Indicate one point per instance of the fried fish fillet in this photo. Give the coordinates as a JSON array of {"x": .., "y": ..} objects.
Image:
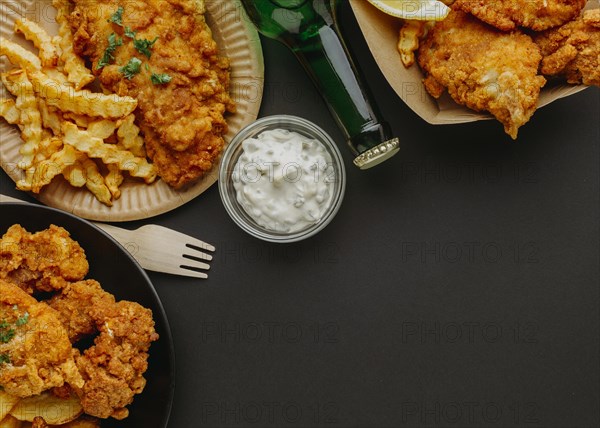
[
  {"x": 35, "y": 349},
  {"x": 42, "y": 261},
  {"x": 483, "y": 68},
  {"x": 573, "y": 50},
  {"x": 182, "y": 119},
  {"x": 537, "y": 15}
]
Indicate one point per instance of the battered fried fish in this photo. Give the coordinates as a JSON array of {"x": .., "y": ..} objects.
[
  {"x": 180, "y": 81},
  {"x": 573, "y": 50},
  {"x": 537, "y": 15},
  {"x": 483, "y": 68},
  {"x": 42, "y": 261},
  {"x": 35, "y": 351}
]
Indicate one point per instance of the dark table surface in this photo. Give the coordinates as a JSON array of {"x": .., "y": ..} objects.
[{"x": 457, "y": 286}]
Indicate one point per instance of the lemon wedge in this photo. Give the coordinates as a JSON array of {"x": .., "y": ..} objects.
[{"x": 422, "y": 10}]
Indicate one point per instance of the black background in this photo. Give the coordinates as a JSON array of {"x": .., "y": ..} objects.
[{"x": 457, "y": 286}]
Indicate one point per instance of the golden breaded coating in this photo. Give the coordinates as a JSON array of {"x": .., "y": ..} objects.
[
  {"x": 182, "y": 119},
  {"x": 35, "y": 351},
  {"x": 572, "y": 51},
  {"x": 113, "y": 367},
  {"x": 537, "y": 15},
  {"x": 483, "y": 68},
  {"x": 42, "y": 261},
  {"x": 74, "y": 304}
]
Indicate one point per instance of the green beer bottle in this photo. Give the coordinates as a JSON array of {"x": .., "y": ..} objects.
[{"x": 311, "y": 30}]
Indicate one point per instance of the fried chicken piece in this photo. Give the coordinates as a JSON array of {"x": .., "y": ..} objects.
[
  {"x": 42, "y": 261},
  {"x": 35, "y": 349},
  {"x": 74, "y": 304},
  {"x": 573, "y": 50},
  {"x": 537, "y": 15},
  {"x": 113, "y": 367},
  {"x": 483, "y": 68},
  {"x": 182, "y": 120}
]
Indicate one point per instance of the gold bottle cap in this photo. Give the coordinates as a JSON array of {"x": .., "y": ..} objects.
[{"x": 377, "y": 154}]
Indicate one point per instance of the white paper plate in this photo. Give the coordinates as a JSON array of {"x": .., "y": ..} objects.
[{"x": 236, "y": 38}]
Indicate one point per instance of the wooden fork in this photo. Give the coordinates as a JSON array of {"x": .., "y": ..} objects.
[{"x": 158, "y": 248}]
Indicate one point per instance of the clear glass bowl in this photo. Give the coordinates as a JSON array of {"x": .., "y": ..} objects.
[{"x": 232, "y": 154}]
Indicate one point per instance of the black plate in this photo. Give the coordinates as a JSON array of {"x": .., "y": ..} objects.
[{"x": 119, "y": 274}]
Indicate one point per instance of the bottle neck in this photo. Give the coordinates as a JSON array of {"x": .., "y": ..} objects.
[
  {"x": 337, "y": 78},
  {"x": 310, "y": 30}
]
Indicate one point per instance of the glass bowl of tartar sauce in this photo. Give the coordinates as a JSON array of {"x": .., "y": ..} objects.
[{"x": 282, "y": 179}]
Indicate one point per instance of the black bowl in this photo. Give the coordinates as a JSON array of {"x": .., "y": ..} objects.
[{"x": 120, "y": 274}]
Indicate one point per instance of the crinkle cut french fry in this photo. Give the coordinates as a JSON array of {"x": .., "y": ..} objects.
[
  {"x": 81, "y": 102},
  {"x": 18, "y": 55},
  {"x": 84, "y": 172},
  {"x": 50, "y": 117},
  {"x": 67, "y": 130},
  {"x": 102, "y": 128},
  {"x": 73, "y": 65},
  {"x": 43, "y": 172},
  {"x": 67, "y": 161},
  {"x": 31, "y": 122},
  {"x": 113, "y": 179},
  {"x": 411, "y": 33},
  {"x": 129, "y": 137},
  {"x": 9, "y": 111},
  {"x": 55, "y": 74},
  {"x": 40, "y": 39},
  {"x": 109, "y": 153},
  {"x": 79, "y": 119},
  {"x": 75, "y": 175},
  {"x": 48, "y": 146},
  {"x": 95, "y": 182}
]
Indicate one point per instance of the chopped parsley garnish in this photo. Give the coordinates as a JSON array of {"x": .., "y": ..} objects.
[
  {"x": 144, "y": 46},
  {"x": 117, "y": 17},
  {"x": 160, "y": 78},
  {"x": 6, "y": 330},
  {"x": 130, "y": 33},
  {"x": 108, "y": 57},
  {"x": 132, "y": 68},
  {"x": 22, "y": 320},
  {"x": 4, "y": 358},
  {"x": 7, "y": 335}
]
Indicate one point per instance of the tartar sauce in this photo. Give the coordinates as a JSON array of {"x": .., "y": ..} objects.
[{"x": 284, "y": 180}]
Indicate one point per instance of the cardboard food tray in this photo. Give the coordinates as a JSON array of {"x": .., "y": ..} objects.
[{"x": 381, "y": 33}]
